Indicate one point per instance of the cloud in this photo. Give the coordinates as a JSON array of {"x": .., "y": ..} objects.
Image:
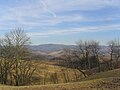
[
  {"x": 47, "y": 9},
  {"x": 64, "y": 5},
  {"x": 42, "y": 13},
  {"x": 75, "y": 30}
]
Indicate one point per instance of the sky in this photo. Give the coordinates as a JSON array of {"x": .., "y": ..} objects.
[{"x": 62, "y": 21}]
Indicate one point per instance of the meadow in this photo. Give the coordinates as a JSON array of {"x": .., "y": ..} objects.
[{"x": 109, "y": 80}]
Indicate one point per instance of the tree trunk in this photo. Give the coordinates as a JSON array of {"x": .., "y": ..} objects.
[{"x": 84, "y": 74}]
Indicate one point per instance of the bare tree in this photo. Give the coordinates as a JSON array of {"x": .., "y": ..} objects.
[
  {"x": 96, "y": 53},
  {"x": 87, "y": 52},
  {"x": 84, "y": 51},
  {"x": 114, "y": 47},
  {"x": 71, "y": 60},
  {"x": 84, "y": 57},
  {"x": 6, "y": 59},
  {"x": 13, "y": 52}
]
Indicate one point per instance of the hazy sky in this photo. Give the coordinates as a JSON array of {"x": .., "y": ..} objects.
[{"x": 62, "y": 21}]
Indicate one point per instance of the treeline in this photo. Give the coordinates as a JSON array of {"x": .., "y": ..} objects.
[
  {"x": 90, "y": 57},
  {"x": 14, "y": 69}
]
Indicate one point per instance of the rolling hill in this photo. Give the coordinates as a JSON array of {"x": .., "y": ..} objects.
[
  {"x": 50, "y": 47},
  {"x": 109, "y": 80}
]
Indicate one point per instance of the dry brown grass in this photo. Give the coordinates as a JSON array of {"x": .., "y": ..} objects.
[
  {"x": 98, "y": 84},
  {"x": 109, "y": 80},
  {"x": 45, "y": 69}
]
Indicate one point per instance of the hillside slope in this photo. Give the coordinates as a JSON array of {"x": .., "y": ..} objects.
[
  {"x": 50, "y": 47},
  {"x": 107, "y": 74},
  {"x": 109, "y": 80}
]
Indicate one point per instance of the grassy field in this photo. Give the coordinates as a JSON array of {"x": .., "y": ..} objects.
[
  {"x": 97, "y": 84},
  {"x": 109, "y": 80},
  {"x": 46, "y": 69},
  {"x": 107, "y": 74}
]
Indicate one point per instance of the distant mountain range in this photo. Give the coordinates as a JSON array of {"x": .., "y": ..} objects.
[
  {"x": 56, "y": 50},
  {"x": 47, "y": 48}
]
